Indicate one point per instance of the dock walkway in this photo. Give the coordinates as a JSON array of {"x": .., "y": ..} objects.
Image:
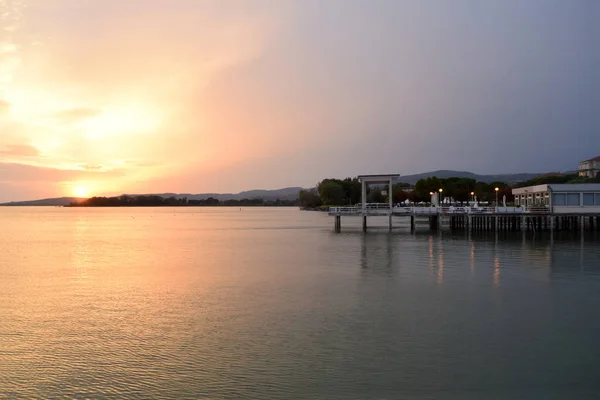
[{"x": 473, "y": 218}]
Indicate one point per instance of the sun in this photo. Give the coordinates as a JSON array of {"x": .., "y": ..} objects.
[{"x": 81, "y": 191}]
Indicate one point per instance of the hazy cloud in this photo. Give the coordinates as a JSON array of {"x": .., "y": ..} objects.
[
  {"x": 20, "y": 150},
  {"x": 74, "y": 115},
  {"x": 91, "y": 167},
  {"x": 4, "y": 106},
  {"x": 16, "y": 172}
]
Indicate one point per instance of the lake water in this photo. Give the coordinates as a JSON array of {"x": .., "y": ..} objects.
[{"x": 223, "y": 303}]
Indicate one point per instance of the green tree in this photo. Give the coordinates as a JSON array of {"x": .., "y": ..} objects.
[
  {"x": 309, "y": 199},
  {"x": 425, "y": 186},
  {"x": 376, "y": 196},
  {"x": 352, "y": 190},
  {"x": 398, "y": 193},
  {"x": 332, "y": 192}
]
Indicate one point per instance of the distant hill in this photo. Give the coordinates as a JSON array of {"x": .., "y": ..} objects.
[
  {"x": 61, "y": 201},
  {"x": 508, "y": 178},
  {"x": 289, "y": 193}
]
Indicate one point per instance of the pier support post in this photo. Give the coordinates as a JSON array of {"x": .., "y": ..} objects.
[
  {"x": 338, "y": 223},
  {"x": 390, "y": 221},
  {"x": 412, "y": 223},
  {"x": 364, "y": 224}
]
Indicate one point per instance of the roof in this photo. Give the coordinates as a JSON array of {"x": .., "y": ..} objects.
[
  {"x": 383, "y": 178},
  {"x": 592, "y": 159},
  {"x": 559, "y": 187},
  {"x": 379, "y": 176}
]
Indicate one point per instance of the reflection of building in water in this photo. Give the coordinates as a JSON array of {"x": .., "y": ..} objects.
[
  {"x": 472, "y": 257},
  {"x": 572, "y": 253},
  {"x": 440, "y": 277},
  {"x": 377, "y": 252}
]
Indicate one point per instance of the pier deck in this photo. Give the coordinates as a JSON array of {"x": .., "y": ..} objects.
[{"x": 474, "y": 218}]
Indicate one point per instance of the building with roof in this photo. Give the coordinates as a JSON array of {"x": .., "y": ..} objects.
[
  {"x": 564, "y": 198},
  {"x": 590, "y": 168}
]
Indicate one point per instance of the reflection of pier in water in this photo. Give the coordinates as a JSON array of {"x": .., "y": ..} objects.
[{"x": 542, "y": 256}]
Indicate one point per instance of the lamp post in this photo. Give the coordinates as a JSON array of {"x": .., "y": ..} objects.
[
  {"x": 473, "y": 197},
  {"x": 497, "y": 189},
  {"x": 440, "y": 190}
]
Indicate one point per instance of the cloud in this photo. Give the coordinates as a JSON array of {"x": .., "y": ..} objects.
[
  {"x": 20, "y": 150},
  {"x": 91, "y": 167},
  {"x": 4, "y": 106},
  {"x": 16, "y": 172},
  {"x": 74, "y": 115}
]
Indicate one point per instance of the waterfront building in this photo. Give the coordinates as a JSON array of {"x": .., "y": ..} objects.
[
  {"x": 590, "y": 168},
  {"x": 564, "y": 198}
]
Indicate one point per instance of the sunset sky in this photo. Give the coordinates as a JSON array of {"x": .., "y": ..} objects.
[{"x": 102, "y": 97}]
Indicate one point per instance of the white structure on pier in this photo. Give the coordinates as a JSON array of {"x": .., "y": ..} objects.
[
  {"x": 386, "y": 179},
  {"x": 565, "y": 198},
  {"x": 376, "y": 180}
]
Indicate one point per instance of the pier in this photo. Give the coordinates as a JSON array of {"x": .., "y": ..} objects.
[
  {"x": 539, "y": 217},
  {"x": 484, "y": 219}
]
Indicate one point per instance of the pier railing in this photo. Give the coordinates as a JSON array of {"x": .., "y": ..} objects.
[{"x": 384, "y": 209}]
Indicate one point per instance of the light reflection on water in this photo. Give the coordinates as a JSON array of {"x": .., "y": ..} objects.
[{"x": 270, "y": 303}]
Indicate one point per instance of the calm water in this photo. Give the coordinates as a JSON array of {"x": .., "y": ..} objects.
[{"x": 271, "y": 304}]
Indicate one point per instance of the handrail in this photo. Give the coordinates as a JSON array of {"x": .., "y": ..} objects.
[{"x": 436, "y": 210}]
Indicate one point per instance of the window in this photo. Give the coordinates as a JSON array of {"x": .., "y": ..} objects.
[
  {"x": 597, "y": 202},
  {"x": 588, "y": 199},
  {"x": 572, "y": 199},
  {"x": 560, "y": 199}
]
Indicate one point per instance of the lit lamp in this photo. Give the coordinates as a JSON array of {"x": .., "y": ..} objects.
[
  {"x": 440, "y": 190},
  {"x": 497, "y": 189},
  {"x": 473, "y": 196}
]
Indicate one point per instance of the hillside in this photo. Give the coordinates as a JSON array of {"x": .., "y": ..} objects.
[
  {"x": 508, "y": 178},
  {"x": 290, "y": 193},
  {"x": 61, "y": 201}
]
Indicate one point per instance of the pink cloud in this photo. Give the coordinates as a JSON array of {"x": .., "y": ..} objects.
[
  {"x": 20, "y": 150},
  {"x": 15, "y": 172},
  {"x": 4, "y": 106},
  {"x": 76, "y": 114}
]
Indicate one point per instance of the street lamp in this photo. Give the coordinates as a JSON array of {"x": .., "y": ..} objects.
[
  {"x": 440, "y": 190},
  {"x": 497, "y": 189},
  {"x": 473, "y": 197}
]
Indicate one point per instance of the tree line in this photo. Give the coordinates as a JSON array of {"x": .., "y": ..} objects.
[
  {"x": 340, "y": 192},
  {"x": 159, "y": 201}
]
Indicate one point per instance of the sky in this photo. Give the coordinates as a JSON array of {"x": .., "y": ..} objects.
[{"x": 192, "y": 96}]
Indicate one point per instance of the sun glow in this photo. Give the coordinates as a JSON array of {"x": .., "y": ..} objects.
[
  {"x": 130, "y": 120},
  {"x": 81, "y": 191}
]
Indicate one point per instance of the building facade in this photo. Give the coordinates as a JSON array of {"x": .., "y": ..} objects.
[
  {"x": 562, "y": 198},
  {"x": 590, "y": 168}
]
